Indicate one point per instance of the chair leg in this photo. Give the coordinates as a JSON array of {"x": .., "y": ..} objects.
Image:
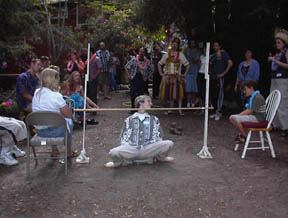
[
  {"x": 246, "y": 144},
  {"x": 66, "y": 157},
  {"x": 28, "y": 159},
  {"x": 262, "y": 140},
  {"x": 236, "y": 147},
  {"x": 270, "y": 145},
  {"x": 35, "y": 158}
]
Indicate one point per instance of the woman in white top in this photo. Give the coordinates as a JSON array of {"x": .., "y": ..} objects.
[{"x": 47, "y": 98}]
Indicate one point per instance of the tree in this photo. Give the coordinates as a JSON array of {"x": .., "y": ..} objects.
[{"x": 17, "y": 20}]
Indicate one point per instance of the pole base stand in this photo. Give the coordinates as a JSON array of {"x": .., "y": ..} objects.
[
  {"x": 204, "y": 153},
  {"x": 82, "y": 158}
]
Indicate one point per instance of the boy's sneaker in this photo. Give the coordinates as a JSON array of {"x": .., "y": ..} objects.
[
  {"x": 8, "y": 160},
  {"x": 217, "y": 117},
  {"x": 17, "y": 152}
]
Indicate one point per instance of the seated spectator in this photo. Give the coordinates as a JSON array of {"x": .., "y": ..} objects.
[
  {"x": 255, "y": 112},
  {"x": 47, "y": 98},
  {"x": 11, "y": 131},
  {"x": 76, "y": 92},
  {"x": 26, "y": 84}
]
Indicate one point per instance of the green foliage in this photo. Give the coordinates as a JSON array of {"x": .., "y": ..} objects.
[
  {"x": 17, "y": 20},
  {"x": 117, "y": 29}
]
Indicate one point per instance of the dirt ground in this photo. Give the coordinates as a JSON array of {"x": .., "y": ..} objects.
[{"x": 223, "y": 187}]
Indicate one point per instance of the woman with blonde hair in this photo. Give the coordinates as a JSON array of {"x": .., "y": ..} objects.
[{"x": 47, "y": 98}]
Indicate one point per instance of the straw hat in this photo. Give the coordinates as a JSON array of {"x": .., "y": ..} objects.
[{"x": 281, "y": 34}]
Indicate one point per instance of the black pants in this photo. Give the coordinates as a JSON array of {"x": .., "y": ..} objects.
[
  {"x": 92, "y": 90},
  {"x": 217, "y": 94},
  {"x": 137, "y": 87},
  {"x": 156, "y": 83}
]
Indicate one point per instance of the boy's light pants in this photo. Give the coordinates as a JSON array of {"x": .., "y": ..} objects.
[{"x": 130, "y": 153}]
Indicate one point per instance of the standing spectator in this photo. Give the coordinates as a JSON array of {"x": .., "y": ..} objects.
[
  {"x": 220, "y": 66},
  {"x": 247, "y": 70},
  {"x": 280, "y": 79},
  {"x": 113, "y": 69},
  {"x": 129, "y": 55},
  {"x": 172, "y": 84},
  {"x": 104, "y": 77},
  {"x": 156, "y": 76},
  {"x": 26, "y": 85},
  {"x": 75, "y": 64},
  {"x": 192, "y": 53},
  {"x": 44, "y": 62},
  {"x": 201, "y": 82},
  {"x": 94, "y": 72},
  {"x": 139, "y": 69}
]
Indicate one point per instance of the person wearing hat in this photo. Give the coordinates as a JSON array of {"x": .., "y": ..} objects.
[
  {"x": 141, "y": 138},
  {"x": 280, "y": 79}
]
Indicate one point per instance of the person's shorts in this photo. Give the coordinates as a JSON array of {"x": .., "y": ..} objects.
[
  {"x": 245, "y": 118},
  {"x": 104, "y": 78}
]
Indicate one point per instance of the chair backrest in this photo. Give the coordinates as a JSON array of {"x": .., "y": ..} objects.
[
  {"x": 71, "y": 104},
  {"x": 45, "y": 118},
  {"x": 272, "y": 104}
]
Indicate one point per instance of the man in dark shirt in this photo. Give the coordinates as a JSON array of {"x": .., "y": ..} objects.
[
  {"x": 94, "y": 71},
  {"x": 220, "y": 65},
  {"x": 26, "y": 85}
]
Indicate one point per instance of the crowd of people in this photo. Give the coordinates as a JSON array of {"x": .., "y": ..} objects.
[{"x": 177, "y": 75}]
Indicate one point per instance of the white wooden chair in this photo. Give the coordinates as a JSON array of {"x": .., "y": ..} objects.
[{"x": 272, "y": 104}]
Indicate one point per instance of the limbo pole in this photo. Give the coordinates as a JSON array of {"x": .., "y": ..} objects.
[
  {"x": 136, "y": 109},
  {"x": 82, "y": 156},
  {"x": 204, "y": 153}
]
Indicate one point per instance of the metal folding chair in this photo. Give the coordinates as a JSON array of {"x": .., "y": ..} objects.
[
  {"x": 272, "y": 104},
  {"x": 71, "y": 104},
  {"x": 51, "y": 119}
]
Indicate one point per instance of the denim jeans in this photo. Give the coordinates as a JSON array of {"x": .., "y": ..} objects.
[
  {"x": 57, "y": 132},
  {"x": 113, "y": 84}
]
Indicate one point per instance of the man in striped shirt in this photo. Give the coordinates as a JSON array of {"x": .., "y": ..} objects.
[{"x": 104, "y": 77}]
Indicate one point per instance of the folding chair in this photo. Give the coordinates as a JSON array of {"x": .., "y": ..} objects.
[
  {"x": 51, "y": 119},
  {"x": 71, "y": 104},
  {"x": 272, "y": 104}
]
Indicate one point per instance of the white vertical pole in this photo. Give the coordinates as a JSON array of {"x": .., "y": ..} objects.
[
  {"x": 82, "y": 157},
  {"x": 204, "y": 153},
  {"x": 85, "y": 96}
]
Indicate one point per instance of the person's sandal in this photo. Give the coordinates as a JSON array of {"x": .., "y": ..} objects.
[{"x": 242, "y": 139}]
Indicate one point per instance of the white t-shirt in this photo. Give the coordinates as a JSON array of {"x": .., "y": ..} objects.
[
  {"x": 203, "y": 62},
  {"x": 47, "y": 100}
]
